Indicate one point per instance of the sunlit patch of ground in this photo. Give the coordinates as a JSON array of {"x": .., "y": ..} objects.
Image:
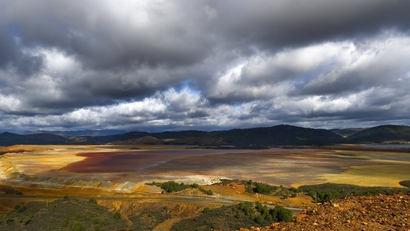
[
  {"x": 35, "y": 160},
  {"x": 383, "y": 174}
]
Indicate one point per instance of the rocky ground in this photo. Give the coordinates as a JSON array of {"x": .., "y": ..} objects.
[{"x": 355, "y": 213}]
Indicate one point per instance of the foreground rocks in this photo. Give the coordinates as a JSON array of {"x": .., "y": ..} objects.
[{"x": 355, "y": 213}]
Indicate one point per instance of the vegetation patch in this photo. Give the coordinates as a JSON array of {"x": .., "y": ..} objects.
[
  {"x": 405, "y": 183},
  {"x": 234, "y": 217},
  {"x": 148, "y": 219},
  {"x": 172, "y": 186},
  {"x": 327, "y": 192},
  {"x": 262, "y": 188},
  {"x": 64, "y": 215}
]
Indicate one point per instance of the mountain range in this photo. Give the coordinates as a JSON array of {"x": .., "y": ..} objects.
[{"x": 261, "y": 137}]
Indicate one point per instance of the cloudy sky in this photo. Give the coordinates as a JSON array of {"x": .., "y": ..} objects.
[{"x": 174, "y": 65}]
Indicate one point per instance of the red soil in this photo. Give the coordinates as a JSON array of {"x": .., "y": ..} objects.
[{"x": 132, "y": 161}]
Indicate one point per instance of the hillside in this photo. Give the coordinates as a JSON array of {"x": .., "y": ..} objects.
[
  {"x": 279, "y": 135},
  {"x": 355, "y": 213},
  {"x": 382, "y": 134},
  {"x": 346, "y": 132},
  {"x": 52, "y": 138},
  {"x": 65, "y": 214},
  {"x": 146, "y": 140}
]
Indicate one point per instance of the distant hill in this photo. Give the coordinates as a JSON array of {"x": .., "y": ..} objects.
[
  {"x": 101, "y": 132},
  {"x": 346, "y": 132},
  {"x": 7, "y": 139},
  {"x": 280, "y": 135},
  {"x": 382, "y": 134},
  {"x": 249, "y": 138},
  {"x": 262, "y": 137},
  {"x": 48, "y": 137},
  {"x": 146, "y": 140}
]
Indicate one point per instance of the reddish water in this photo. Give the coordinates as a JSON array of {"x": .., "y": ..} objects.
[{"x": 131, "y": 161}]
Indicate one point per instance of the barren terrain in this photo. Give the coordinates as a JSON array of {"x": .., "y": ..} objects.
[{"x": 117, "y": 175}]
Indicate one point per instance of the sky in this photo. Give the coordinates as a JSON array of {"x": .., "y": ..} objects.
[{"x": 209, "y": 65}]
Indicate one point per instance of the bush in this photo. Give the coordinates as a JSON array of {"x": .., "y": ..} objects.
[
  {"x": 170, "y": 186},
  {"x": 6, "y": 218},
  {"x": 64, "y": 223},
  {"x": 92, "y": 200},
  {"x": 259, "y": 219},
  {"x": 96, "y": 221},
  {"x": 263, "y": 188},
  {"x": 117, "y": 215},
  {"x": 279, "y": 213},
  {"x": 194, "y": 185},
  {"x": 78, "y": 226},
  {"x": 20, "y": 209},
  {"x": 206, "y": 210}
]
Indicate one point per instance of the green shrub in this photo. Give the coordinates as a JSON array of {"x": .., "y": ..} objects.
[
  {"x": 263, "y": 188},
  {"x": 27, "y": 220},
  {"x": 6, "y": 218},
  {"x": 170, "y": 186},
  {"x": 78, "y": 226},
  {"x": 117, "y": 215},
  {"x": 20, "y": 209},
  {"x": 280, "y": 213},
  {"x": 96, "y": 220},
  {"x": 64, "y": 223},
  {"x": 259, "y": 219},
  {"x": 405, "y": 183},
  {"x": 194, "y": 185}
]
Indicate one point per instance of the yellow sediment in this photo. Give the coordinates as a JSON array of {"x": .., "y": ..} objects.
[
  {"x": 372, "y": 175},
  {"x": 32, "y": 160}
]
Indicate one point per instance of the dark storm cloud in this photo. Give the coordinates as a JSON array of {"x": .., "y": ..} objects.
[
  {"x": 8, "y": 49},
  {"x": 198, "y": 114},
  {"x": 103, "y": 39},
  {"x": 274, "y": 24},
  {"x": 195, "y": 64},
  {"x": 12, "y": 57}
]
